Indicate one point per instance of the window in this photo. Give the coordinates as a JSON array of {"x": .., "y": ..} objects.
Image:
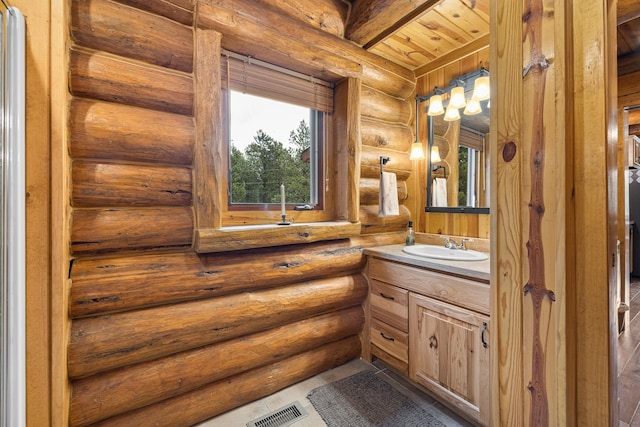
[
  {"x": 218, "y": 227},
  {"x": 277, "y": 128}
]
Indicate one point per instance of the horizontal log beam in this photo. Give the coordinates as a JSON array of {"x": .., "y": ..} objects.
[
  {"x": 111, "y": 393},
  {"x": 248, "y": 25},
  {"x": 111, "y": 185},
  {"x": 105, "y": 230},
  {"x": 188, "y": 276},
  {"x": 399, "y": 163},
  {"x": 243, "y": 26},
  {"x": 103, "y": 130},
  {"x": 132, "y": 33},
  {"x": 370, "y": 191},
  {"x": 98, "y": 75},
  {"x": 107, "y": 342},
  {"x": 379, "y": 106},
  {"x": 371, "y": 20},
  {"x": 260, "y": 236},
  {"x": 204, "y": 403},
  {"x": 373, "y": 223},
  {"x": 176, "y": 10},
  {"x": 385, "y": 135},
  {"x": 327, "y": 15}
]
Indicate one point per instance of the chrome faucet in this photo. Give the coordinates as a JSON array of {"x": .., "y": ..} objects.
[{"x": 451, "y": 244}]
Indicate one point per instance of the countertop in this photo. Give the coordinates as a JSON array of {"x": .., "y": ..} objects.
[{"x": 476, "y": 270}]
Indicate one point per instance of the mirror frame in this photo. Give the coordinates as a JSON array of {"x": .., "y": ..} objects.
[{"x": 449, "y": 209}]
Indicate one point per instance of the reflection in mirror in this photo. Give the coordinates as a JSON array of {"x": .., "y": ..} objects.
[{"x": 457, "y": 168}]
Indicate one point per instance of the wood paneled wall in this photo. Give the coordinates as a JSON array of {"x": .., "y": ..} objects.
[
  {"x": 156, "y": 329},
  {"x": 470, "y": 225}
]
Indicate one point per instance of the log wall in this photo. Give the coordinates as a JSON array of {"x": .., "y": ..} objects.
[
  {"x": 148, "y": 315},
  {"x": 471, "y": 225}
]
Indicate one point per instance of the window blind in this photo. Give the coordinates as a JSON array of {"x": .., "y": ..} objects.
[{"x": 249, "y": 75}]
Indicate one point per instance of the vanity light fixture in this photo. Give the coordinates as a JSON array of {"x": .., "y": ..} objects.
[
  {"x": 473, "y": 107},
  {"x": 457, "y": 99},
  {"x": 477, "y": 79},
  {"x": 435, "y": 154},
  {"x": 481, "y": 90},
  {"x": 452, "y": 114},
  {"x": 435, "y": 106},
  {"x": 416, "y": 148}
]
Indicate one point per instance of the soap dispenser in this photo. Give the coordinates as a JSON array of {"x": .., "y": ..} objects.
[{"x": 411, "y": 235}]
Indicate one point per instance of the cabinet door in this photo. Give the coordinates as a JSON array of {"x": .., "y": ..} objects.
[{"x": 447, "y": 353}]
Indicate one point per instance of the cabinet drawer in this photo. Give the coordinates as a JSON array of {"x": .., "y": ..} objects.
[
  {"x": 389, "y": 304},
  {"x": 462, "y": 292},
  {"x": 393, "y": 341}
]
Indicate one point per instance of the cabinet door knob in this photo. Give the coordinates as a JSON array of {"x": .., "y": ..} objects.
[{"x": 433, "y": 342}]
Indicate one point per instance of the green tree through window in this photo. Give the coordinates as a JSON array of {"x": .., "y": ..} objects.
[{"x": 256, "y": 173}]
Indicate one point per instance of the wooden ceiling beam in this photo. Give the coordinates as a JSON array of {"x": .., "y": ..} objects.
[
  {"x": 629, "y": 63},
  {"x": 371, "y": 21},
  {"x": 628, "y": 10}
]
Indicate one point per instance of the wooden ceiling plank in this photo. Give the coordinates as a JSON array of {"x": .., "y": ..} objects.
[
  {"x": 430, "y": 41},
  {"x": 628, "y": 10},
  {"x": 463, "y": 17},
  {"x": 481, "y": 7},
  {"x": 393, "y": 50},
  {"x": 475, "y": 46},
  {"x": 371, "y": 21},
  {"x": 441, "y": 27}
]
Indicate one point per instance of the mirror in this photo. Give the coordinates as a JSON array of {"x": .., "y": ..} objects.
[{"x": 459, "y": 180}]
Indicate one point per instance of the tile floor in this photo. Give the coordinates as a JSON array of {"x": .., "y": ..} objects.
[
  {"x": 629, "y": 363},
  {"x": 241, "y": 416}
]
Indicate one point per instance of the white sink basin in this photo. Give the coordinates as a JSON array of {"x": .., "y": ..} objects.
[{"x": 440, "y": 252}]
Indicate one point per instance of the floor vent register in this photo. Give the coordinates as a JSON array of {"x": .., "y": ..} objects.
[{"x": 281, "y": 417}]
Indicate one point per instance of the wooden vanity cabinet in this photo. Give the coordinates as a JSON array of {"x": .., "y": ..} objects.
[
  {"x": 448, "y": 354},
  {"x": 434, "y": 328}
]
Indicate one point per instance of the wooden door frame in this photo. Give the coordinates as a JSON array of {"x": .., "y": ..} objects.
[{"x": 553, "y": 212}]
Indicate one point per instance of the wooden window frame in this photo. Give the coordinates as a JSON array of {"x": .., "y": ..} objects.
[{"x": 214, "y": 231}]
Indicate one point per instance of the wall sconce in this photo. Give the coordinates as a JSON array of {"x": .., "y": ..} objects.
[
  {"x": 457, "y": 99},
  {"x": 435, "y": 106},
  {"x": 473, "y": 107},
  {"x": 452, "y": 114},
  {"x": 435, "y": 154},
  {"x": 481, "y": 90},
  {"x": 416, "y": 147},
  {"x": 478, "y": 79}
]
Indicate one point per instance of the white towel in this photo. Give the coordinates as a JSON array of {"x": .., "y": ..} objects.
[
  {"x": 388, "y": 200},
  {"x": 439, "y": 192}
]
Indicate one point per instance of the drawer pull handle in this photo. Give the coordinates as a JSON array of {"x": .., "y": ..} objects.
[
  {"x": 386, "y": 297},
  {"x": 433, "y": 342},
  {"x": 385, "y": 337},
  {"x": 484, "y": 328}
]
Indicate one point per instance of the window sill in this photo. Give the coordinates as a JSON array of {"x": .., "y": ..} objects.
[{"x": 266, "y": 235}]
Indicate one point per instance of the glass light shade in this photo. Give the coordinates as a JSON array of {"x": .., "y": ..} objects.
[
  {"x": 457, "y": 98},
  {"x": 473, "y": 107},
  {"x": 435, "y": 106},
  {"x": 435, "y": 154},
  {"x": 416, "y": 151},
  {"x": 452, "y": 114},
  {"x": 481, "y": 90}
]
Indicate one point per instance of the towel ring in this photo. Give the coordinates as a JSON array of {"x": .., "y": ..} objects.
[{"x": 444, "y": 170}]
